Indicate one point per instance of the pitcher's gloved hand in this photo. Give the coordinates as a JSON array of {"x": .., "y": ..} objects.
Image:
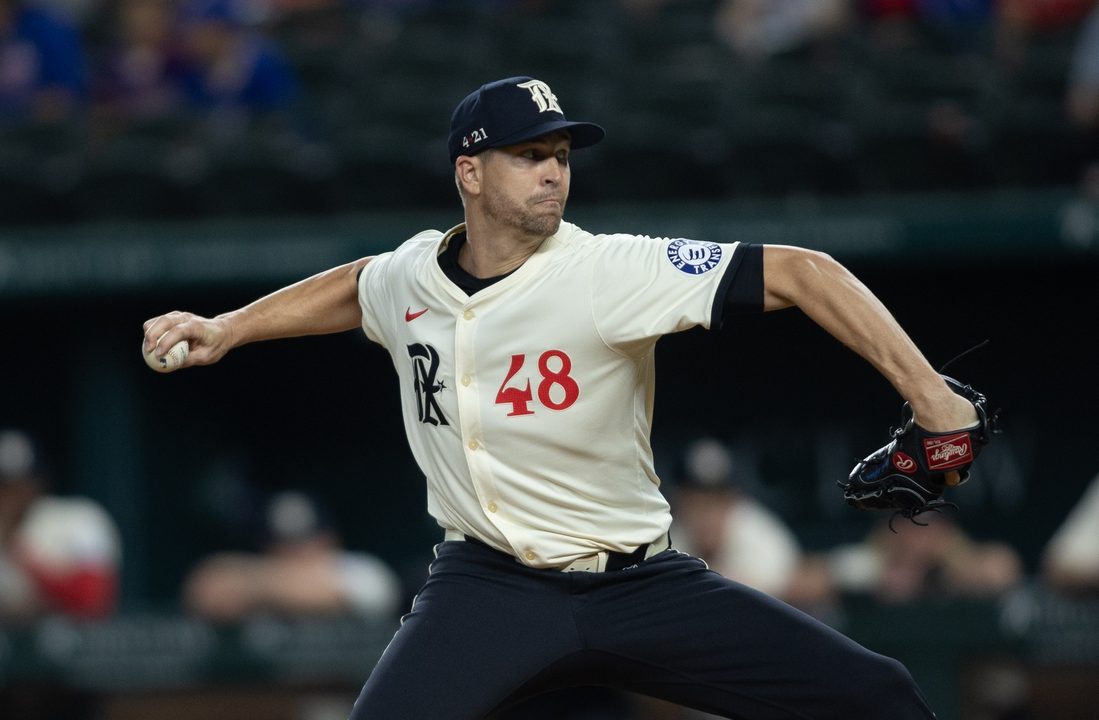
[{"x": 908, "y": 474}]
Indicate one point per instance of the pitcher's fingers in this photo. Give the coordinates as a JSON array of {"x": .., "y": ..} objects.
[
  {"x": 157, "y": 328},
  {"x": 152, "y": 333},
  {"x": 952, "y": 478}
]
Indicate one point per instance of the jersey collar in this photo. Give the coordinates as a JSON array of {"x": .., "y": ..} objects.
[{"x": 533, "y": 265}]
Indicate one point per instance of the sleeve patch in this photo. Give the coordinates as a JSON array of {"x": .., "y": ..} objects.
[{"x": 694, "y": 257}]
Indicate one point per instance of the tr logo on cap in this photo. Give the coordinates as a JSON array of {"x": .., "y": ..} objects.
[
  {"x": 510, "y": 111},
  {"x": 541, "y": 94}
]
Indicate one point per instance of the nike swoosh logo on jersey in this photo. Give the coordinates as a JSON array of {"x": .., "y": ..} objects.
[{"x": 409, "y": 316}]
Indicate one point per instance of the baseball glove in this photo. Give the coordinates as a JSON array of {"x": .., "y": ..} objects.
[{"x": 908, "y": 475}]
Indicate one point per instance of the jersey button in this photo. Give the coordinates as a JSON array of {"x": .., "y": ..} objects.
[
  {"x": 472, "y": 444},
  {"x": 492, "y": 507},
  {"x": 468, "y": 314},
  {"x": 529, "y": 555},
  {"x": 466, "y": 380}
]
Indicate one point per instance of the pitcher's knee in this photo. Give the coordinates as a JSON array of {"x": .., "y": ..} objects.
[{"x": 891, "y": 693}]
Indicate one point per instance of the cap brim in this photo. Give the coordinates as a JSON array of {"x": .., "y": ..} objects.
[{"x": 583, "y": 134}]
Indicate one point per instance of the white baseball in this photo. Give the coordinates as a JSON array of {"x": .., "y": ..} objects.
[{"x": 171, "y": 360}]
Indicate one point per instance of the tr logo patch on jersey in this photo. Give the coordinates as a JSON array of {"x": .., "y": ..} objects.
[
  {"x": 694, "y": 257},
  {"x": 425, "y": 365}
]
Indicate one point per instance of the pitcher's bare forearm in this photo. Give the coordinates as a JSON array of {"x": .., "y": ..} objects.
[
  {"x": 841, "y": 304},
  {"x": 324, "y": 303}
]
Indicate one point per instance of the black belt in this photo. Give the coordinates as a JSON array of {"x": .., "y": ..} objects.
[{"x": 615, "y": 560}]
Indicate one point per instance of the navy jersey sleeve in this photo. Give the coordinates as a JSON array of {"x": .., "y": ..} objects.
[{"x": 741, "y": 288}]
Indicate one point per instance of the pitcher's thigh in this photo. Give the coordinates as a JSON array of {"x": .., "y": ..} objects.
[
  {"x": 708, "y": 642},
  {"x": 467, "y": 644}
]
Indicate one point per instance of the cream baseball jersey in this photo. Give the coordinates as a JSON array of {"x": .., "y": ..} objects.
[{"x": 528, "y": 404}]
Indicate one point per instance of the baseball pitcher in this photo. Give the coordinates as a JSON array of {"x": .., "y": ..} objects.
[{"x": 523, "y": 346}]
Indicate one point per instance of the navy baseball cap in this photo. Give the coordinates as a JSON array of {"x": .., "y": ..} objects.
[{"x": 509, "y": 111}]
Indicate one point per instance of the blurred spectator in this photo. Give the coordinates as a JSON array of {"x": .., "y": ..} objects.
[
  {"x": 141, "y": 75},
  {"x": 757, "y": 29},
  {"x": 917, "y": 562},
  {"x": 892, "y": 24},
  {"x": 1071, "y": 560},
  {"x": 958, "y": 25},
  {"x": 719, "y": 522},
  {"x": 1045, "y": 14},
  {"x": 303, "y": 569},
  {"x": 962, "y": 24},
  {"x": 1083, "y": 88},
  {"x": 74, "y": 12},
  {"x": 57, "y": 555},
  {"x": 237, "y": 72},
  {"x": 879, "y": 9},
  {"x": 1019, "y": 20},
  {"x": 42, "y": 74},
  {"x": 1080, "y": 215}
]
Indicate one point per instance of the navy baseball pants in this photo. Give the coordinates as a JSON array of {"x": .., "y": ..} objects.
[{"x": 486, "y": 632}]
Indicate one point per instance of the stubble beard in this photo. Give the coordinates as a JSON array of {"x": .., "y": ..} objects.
[{"x": 512, "y": 214}]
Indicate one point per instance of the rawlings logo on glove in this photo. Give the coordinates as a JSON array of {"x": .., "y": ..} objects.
[
  {"x": 908, "y": 475},
  {"x": 949, "y": 452}
]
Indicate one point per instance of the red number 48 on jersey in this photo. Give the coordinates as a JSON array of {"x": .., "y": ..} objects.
[{"x": 557, "y": 390}]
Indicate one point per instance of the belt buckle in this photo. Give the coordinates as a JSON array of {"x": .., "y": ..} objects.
[{"x": 588, "y": 563}]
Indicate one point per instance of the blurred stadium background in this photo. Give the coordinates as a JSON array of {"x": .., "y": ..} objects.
[{"x": 930, "y": 145}]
